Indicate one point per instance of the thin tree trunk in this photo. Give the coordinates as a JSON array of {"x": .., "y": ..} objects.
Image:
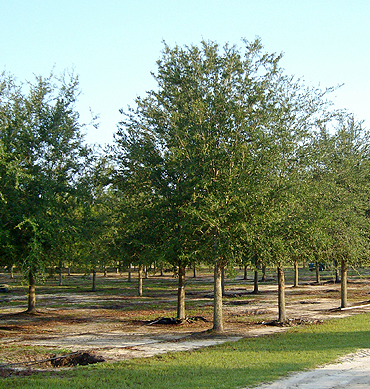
[
  {"x": 140, "y": 280},
  {"x": 343, "y": 284},
  {"x": 296, "y": 274},
  {"x": 255, "y": 282},
  {"x": 60, "y": 273},
  {"x": 146, "y": 272},
  {"x": 218, "y": 325},
  {"x": 12, "y": 272},
  {"x": 223, "y": 281},
  {"x": 31, "y": 293},
  {"x": 281, "y": 295},
  {"x": 317, "y": 273},
  {"x": 181, "y": 294},
  {"x": 129, "y": 273},
  {"x": 105, "y": 271},
  {"x": 194, "y": 271},
  {"x": 263, "y": 279},
  {"x": 245, "y": 273},
  {"x": 94, "y": 280},
  {"x": 336, "y": 272}
]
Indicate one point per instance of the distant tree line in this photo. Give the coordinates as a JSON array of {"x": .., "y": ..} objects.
[{"x": 228, "y": 162}]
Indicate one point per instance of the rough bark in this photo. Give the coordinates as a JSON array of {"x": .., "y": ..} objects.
[
  {"x": 218, "y": 325},
  {"x": 296, "y": 274},
  {"x": 343, "y": 284},
  {"x": 31, "y": 293},
  {"x": 181, "y": 294},
  {"x": 281, "y": 295},
  {"x": 140, "y": 281}
]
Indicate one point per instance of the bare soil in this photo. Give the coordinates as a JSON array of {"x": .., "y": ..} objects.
[
  {"x": 112, "y": 327},
  {"x": 351, "y": 371}
]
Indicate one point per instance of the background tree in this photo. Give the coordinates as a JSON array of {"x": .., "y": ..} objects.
[
  {"x": 41, "y": 139},
  {"x": 342, "y": 174}
]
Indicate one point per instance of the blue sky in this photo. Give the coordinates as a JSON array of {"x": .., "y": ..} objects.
[{"x": 113, "y": 45}]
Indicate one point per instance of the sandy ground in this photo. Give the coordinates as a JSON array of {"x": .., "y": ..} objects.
[
  {"x": 351, "y": 372},
  {"x": 112, "y": 335}
]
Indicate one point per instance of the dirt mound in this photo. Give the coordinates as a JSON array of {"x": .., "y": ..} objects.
[{"x": 75, "y": 359}]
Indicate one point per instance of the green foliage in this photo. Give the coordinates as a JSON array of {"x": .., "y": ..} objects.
[
  {"x": 189, "y": 145},
  {"x": 340, "y": 196},
  {"x": 42, "y": 158}
]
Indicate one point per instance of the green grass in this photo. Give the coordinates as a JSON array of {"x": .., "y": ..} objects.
[{"x": 232, "y": 365}]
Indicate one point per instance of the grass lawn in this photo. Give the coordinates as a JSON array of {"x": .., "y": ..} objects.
[{"x": 232, "y": 365}]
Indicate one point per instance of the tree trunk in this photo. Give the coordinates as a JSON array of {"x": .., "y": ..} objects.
[
  {"x": 218, "y": 325},
  {"x": 317, "y": 273},
  {"x": 263, "y": 279},
  {"x": 129, "y": 273},
  {"x": 146, "y": 272},
  {"x": 94, "y": 280},
  {"x": 296, "y": 274},
  {"x": 223, "y": 281},
  {"x": 281, "y": 295},
  {"x": 336, "y": 272},
  {"x": 31, "y": 293},
  {"x": 105, "y": 271},
  {"x": 60, "y": 273},
  {"x": 140, "y": 281},
  {"x": 12, "y": 272},
  {"x": 255, "y": 282},
  {"x": 343, "y": 284},
  {"x": 194, "y": 271},
  {"x": 181, "y": 294},
  {"x": 245, "y": 273}
]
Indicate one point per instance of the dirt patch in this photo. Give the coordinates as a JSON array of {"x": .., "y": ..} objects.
[
  {"x": 27, "y": 368},
  {"x": 115, "y": 327},
  {"x": 351, "y": 371},
  {"x": 75, "y": 359}
]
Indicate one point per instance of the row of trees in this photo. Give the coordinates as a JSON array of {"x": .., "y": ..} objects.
[{"x": 229, "y": 161}]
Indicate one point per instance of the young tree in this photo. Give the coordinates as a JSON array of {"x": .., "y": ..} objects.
[
  {"x": 343, "y": 176},
  {"x": 41, "y": 139},
  {"x": 194, "y": 141}
]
